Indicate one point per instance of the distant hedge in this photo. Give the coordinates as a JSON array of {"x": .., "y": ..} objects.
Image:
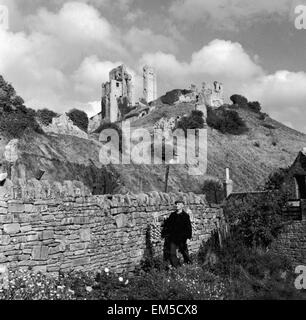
[
  {"x": 194, "y": 121},
  {"x": 45, "y": 116},
  {"x": 242, "y": 102},
  {"x": 173, "y": 96},
  {"x": 226, "y": 121},
  {"x": 15, "y": 117},
  {"x": 79, "y": 118}
]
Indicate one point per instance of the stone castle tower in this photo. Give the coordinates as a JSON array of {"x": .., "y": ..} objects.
[
  {"x": 118, "y": 90},
  {"x": 149, "y": 84}
]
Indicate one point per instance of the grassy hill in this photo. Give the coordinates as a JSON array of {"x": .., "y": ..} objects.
[{"x": 251, "y": 157}]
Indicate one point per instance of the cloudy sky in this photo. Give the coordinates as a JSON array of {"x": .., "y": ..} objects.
[{"x": 57, "y": 53}]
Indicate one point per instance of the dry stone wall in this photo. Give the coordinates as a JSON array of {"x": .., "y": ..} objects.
[
  {"x": 58, "y": 227},
  {"x": 292, "y": 241}
]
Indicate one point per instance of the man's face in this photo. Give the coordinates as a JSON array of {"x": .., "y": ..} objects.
[{"x": 179, "y": 206}]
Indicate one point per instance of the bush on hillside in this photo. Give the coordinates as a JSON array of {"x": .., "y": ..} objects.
[
  {"x": 15, "y": 117},
  {"x": 45, "y": 116},
  {"x": 173, "y": 96},
  {"x": 214, "y": 191},
  {"x": 254, "y": 106},
  {"x": 239, "y": 100},
  {"x": 276, "y": 179},
  {"x": 257, "y": 219},
  {"x": 242, "y": 102},
  {"x": 79, "y": 119},
  {"x": 226, "y": 121},
  {"x": 194, "y": 121}
]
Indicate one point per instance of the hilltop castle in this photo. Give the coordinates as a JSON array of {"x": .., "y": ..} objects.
[{"x": 118, "y": 96}]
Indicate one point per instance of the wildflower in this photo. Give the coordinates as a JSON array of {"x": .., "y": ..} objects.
[
  {"x": 88, "y": 289},
  {"x": 106, "y": 270},
  {"x": 126, "y": 282},
  {"x": 120, "y": 279}
]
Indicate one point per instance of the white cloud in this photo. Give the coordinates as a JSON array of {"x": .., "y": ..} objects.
[
  {"x": 281, "y": 94},
  {"x": 139, "y": 40},
  {"x": 64, "y": 56},
  {"x": 90, "y": 74},
  {"x": 219, "y": 60},
  {"x": 62, "y": 59},
  {"x": 229, "y": 14}
]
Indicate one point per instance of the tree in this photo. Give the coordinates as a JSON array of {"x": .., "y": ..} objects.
[
  {"x": 194, "y": 121},
  {"x": 257, "y": 218},
  {"x": 213, "y": 190},
  {"x": 255, "y": 106},
  {"x": 239, "y": 100},
  {"x": 15, "y": 117},
  {"x": 79, "y": 119},
  {"x": 46, "y": 116},
  {"x": 225, "y": 121},
  {"x": 276, "y": 179}
]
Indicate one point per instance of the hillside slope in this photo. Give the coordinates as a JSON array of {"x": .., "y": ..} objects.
[{"x": 251, "y": 157}]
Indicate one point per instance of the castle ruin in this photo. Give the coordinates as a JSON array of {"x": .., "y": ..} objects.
[
  {"x": 149, "y": 84},
  {"x": 213, "y": 95},
  {"x": 117, "y": 93}
]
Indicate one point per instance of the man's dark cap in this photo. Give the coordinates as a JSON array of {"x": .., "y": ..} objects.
[{"x": 179, "y": 201}]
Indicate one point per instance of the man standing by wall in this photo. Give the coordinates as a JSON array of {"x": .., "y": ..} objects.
[{"x": 177, "y": 229}]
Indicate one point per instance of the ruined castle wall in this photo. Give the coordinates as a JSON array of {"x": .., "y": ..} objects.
[
  {"x": 292, "y": 241},
  {"x": 149, "y": 84},
  {"x": 53, "y": 227}
]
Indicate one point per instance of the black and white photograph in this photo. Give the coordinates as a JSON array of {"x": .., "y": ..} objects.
[{"x": 152, "y": 153}]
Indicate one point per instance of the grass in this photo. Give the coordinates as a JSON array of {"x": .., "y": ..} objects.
[{"x": 66, "y": 157}]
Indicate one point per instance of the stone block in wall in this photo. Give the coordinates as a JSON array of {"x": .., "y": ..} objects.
[
  {"x": 121, "y": 220},
  {"x": 4, "y": 240},
  {"x": 80, "y": 261},
  {"x": 85, "y": 235},
  {"x": 42, "y": 269},
  {"x": 16, "y": 207},
  {"x": 46, "y": 234},
  {"x": 11, "y": 228},
  {"x": 40, "y": 253},
  {"x": 8, "y": 218}
]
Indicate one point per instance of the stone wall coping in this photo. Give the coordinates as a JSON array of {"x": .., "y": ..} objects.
[{"x": 44, "y": 192}]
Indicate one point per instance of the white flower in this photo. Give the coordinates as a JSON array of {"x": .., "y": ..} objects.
[
  {"x": 88, "y": 289},
  {"x": 126, "y": 282},
  {"x": 106, "y": 270},
  {"x": 120, "y": 279}
]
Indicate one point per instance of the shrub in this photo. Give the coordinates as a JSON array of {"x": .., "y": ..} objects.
[
  {"x": 225, "y": 121},
  {"x": 46, "y": 116},
  {"x": 254, "y": 106},
  {"x": 276, "y": 179},
  {"x": 257, "y": 144},
  {"x": 257, "y": 218},
  {"x": 15, "y": 117},
  {"x": 214, "y": 191},
  {"x": 239, "y": 100},
  {"x": 193, "y": 121},
  {"x": 173, "y": 96},
  {"x": 79, "y": 119}
]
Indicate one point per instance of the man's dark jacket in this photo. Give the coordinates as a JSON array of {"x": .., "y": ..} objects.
[{"x": 177, "y": 228}]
